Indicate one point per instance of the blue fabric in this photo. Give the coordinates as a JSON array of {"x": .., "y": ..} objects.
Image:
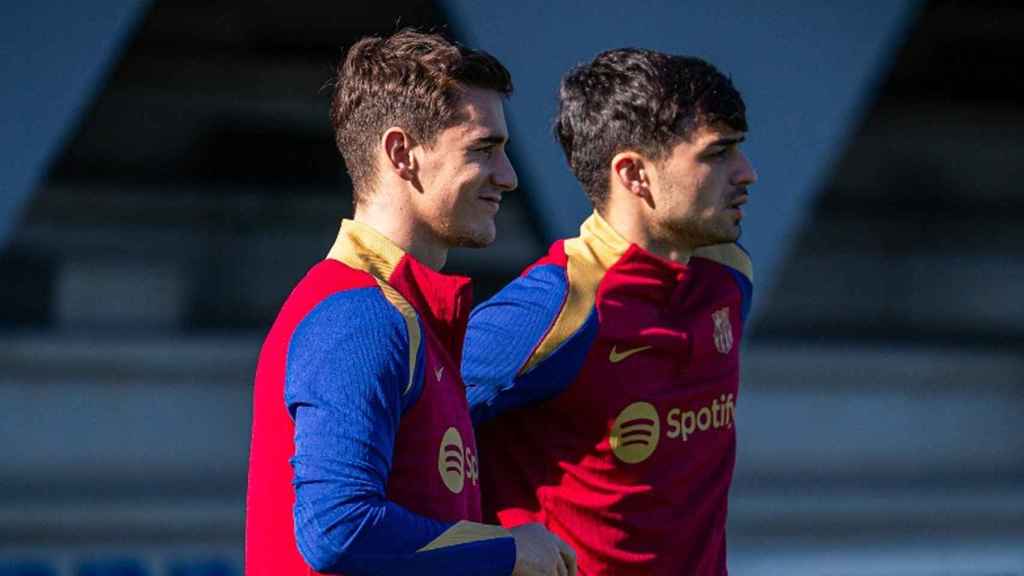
[
  {"x": 746, "y": 288},
  {"x": 473, "y": 559},
  {"x": 504, "y": 331},
  {"x": 346, "y": 370},
  {"x": 747, "y": 291},
  {"x": 409, "y": 398}
]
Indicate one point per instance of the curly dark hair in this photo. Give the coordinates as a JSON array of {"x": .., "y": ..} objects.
[
  {"x": 410, "y": 79},
  {"x": 642, "y": 100}
]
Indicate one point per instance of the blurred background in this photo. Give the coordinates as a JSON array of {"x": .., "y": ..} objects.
[{"x": 169, "y": 174}]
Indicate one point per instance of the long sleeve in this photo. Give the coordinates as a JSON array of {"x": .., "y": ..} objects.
[
  {"x": 510, "y": 359},
  {"x": 348, "y": 381}
]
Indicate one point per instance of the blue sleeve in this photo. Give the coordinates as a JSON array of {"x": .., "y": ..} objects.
[
  {"x": 347, "y": 382},
  {"x": 746, "y": 286},
  {"x": 500, "y": 364}
]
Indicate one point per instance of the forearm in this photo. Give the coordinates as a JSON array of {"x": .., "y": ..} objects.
[{"x": 373, "y": 536}]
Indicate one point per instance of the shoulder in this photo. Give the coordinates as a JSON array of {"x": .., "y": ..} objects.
[
  {"x": 369, "y": 330},
  {"x": 335, "y": 300},
  {"x": 735, "y": 260},
  {"x": 358, "y": 326},
  {"x": 732, "y": 256},
  {"x": 522, "y": 345},
  {"x": 351, "y": 311},
  {"x": 521, "y": 316},
  {"x": 524, "y": 323}
]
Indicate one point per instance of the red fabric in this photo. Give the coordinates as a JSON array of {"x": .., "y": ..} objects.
[
  {"x": 443, "y": 303},
  {"x": 556, "y": 255},
  {"x": 665, "y": 514},
  {"x": 270, "y": 548}
]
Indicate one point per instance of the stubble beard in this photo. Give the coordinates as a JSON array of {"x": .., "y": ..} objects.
[
  {"x": 693, "y": 232},
  {"x": 456, "y": 236}
]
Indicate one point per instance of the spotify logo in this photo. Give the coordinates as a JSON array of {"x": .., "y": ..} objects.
[
  {"x": 634, "y": 435},
  {"x": 450, "y": 460}
]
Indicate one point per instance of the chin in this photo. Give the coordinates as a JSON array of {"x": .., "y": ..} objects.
[
  {"x": 475, "y": 242},
  {"x": 729, "y": 233},
  {"x": 479, "y": 238},
  {"x": 722, "y": 237}
]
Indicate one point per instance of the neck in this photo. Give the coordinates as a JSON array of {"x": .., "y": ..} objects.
[
  {"x": 631, "y": 222},
  {"x": 398, "y": 223}
]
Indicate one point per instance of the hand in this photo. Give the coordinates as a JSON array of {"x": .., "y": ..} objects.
[{"x": 541, "y": 553}]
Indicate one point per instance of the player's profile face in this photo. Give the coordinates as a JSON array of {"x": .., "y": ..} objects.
[
  {"x": 701, "y": 187},
  {"x": 466, "y": 171}
]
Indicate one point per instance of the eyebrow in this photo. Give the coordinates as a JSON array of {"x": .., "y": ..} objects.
[
  {"x": 726, "y": 141},
  {"x": 492, "y": 139}
]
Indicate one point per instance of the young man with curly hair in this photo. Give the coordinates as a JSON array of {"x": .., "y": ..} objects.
[{"x": 605, "y": 377}]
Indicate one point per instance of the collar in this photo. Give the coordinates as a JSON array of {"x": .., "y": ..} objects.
[
  {"x": 605, "y": 244},
  {"x": 608, "y": 248},
  {"x": 442, "y": 301}
]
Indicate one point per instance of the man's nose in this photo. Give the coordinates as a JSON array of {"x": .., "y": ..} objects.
[
  {"x": 745, "y": 174},
  {"x": 505, "y": 175}
]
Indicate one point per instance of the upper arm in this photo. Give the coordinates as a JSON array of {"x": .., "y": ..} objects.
[
  {"x": 503, "y": 352},
  {"x": 353, "y": 367},
  {"x": 346, "y": 380},
  {"x": 349, "y": 356}
]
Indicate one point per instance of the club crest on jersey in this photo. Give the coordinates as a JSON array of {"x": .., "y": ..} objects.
[{"x": 723, "y": 330}]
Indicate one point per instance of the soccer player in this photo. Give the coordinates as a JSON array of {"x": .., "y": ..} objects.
[
  {"x": 358, "y": 386},
  {"x": 607, "y": 373}
]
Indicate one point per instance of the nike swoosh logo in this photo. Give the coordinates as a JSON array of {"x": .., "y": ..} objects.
[
  {"x": 438, "y": 373},
  {"x": 615, "y": 357}
]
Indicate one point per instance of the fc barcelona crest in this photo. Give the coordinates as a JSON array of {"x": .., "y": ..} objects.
[{"x": 723, "y": 330}]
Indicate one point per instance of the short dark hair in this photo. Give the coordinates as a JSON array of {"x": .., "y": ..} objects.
[
  {"x": 412, "y": 80},
  {"x": 642, "y": 100}
]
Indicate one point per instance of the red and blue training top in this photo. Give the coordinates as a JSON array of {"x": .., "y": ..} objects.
[
  {"x": 604, "y": 382},
  {"x": 363, "y": 457}
]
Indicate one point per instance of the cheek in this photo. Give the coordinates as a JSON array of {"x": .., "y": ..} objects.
[
  {"x": 468, "y": 180},
  {"x": 451, "y": 179},
  {"x": 454, "y": 193},
  {"x": 710, "y": 192},
  {"x": 683, "y": 195}
]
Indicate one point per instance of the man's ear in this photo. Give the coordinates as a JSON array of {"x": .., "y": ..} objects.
[
  {"x": 398, "y": 146},
  {"x": 630, "y": 170}
]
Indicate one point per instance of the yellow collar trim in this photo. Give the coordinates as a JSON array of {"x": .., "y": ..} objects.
[
  {"x": 364, "y": 248},
  {"x": 605, "y": 244}
]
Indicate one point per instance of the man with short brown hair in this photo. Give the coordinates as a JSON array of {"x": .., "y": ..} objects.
[{"x": 358, "y": 384}]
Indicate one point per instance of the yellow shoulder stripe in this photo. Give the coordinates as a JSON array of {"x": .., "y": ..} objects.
[
  {"x": 362, "y": 248},
  {"x": 597, "y": 249},
  {"x": 465, "y": 532},
  {"x": 729, "y": 255},
  {"x": 584, "y": 274},
  {"x": 412, "y": 326}
]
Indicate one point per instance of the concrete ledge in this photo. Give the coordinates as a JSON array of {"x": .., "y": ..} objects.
[{"x": 858, "y": 414}]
